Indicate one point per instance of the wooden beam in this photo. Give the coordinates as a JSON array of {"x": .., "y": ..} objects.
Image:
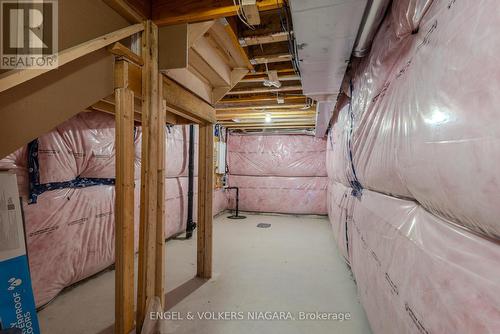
[
  {"x": 251, "y": 12},
  {"x": 15, "y": 77},
  {"x": 276, "y": 58},
  {"x": 259, "y": 98},
  {"x": 259, "y": 127},
  {"x": 129, "y": 12},
  {"x": 168, "y": 12},
  {"x": 264, "y": 39},
  {"x": 147, "y": 279},
  {"x": 261, "y": 115},
  {"x": 262, "y": 77},
  {"x": 160, "y": 203},
  {"x": 257, "y": 105},
  {"x": 263, "y": 124},
  {"x": 205, "y": 193},
  {"x": 182, "y": 102},
  {"x": 124, "y": 212},
  {"x": 264, "y": 90},
  {"x": 128, "y": 75},
  {"x": 120, "y": 50}
]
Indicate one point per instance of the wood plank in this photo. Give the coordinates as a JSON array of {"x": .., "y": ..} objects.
[
  {"x": 228, "y": 41},
  {"x": 128, "y": 75},
  {"x": 205, "y": 193},
  {"x": 197, "y": 30},
  {"x": 160, "y": 203},
  {"x": 130, "y": 10},
  {"x": 118, "y": 49},
  {"x": 167, "y": 12},
  {"x": 264, "y": 39},
  {"x": 182, "y": 102},
  {"x": 124, "y": 212},
  {"x": 146, "y": 288},
  {"x": 262, "y": 77},
  {"x": 261, "y": 115},
  {"x": 15, "y": 77},
  {"x": 265, "y": 90},
  {"x": 190, "y": 80},
  {"x": 31, "y": 109},
  {"x": 259, "y": 127},
  {"x": 263, "y": 124},
  {"x": 251, "y": 11},
  {"x": 259, "y": 98},
  {"x": 210, "y": 58},
  {"x": 276, "y": 58}
]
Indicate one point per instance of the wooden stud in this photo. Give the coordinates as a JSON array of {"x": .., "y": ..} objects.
[
  {"x": 149, "y": 174},
  {"x": 205, "y": 192},
  {"x": 160, "y": 203},
  {"x": 124, "y": 212}
]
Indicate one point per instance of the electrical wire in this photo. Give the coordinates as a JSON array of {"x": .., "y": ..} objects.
[{"x": 242, "y": 15}]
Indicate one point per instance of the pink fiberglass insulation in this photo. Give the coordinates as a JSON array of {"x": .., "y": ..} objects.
[
  {"x": 417, "y": 273},
  {"x": 422, "y": 123},
  {"x": 276, "y": 155},
  {"x": 70, "y": 232},
  {"x": 278, "y": 173},
  {"x": 280, "y": 194}
]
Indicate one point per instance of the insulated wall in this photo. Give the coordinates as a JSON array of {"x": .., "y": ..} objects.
[
  {"x": 278, "y": 173},
  {"x": 412, "y": 162},
  {"x": 67, "y": 176}
]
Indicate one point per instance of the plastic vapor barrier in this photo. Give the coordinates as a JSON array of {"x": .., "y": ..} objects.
[
  {"x": 276, "y": 155},
  {"x": 412, "y": 160},
  {"x": 70, "y": 223},
  {"x": 422, "y": 122},
  {"x": 421, "y": 272},
  {"x": 280, "y": 194},
  {"x": 278, "y": 173}
]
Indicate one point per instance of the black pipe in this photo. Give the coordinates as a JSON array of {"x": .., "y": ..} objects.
[
  {"x": 237, "y": 215},
  {"x": 191, "y": 225}
]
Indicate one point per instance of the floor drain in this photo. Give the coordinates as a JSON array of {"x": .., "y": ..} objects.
[{"x": 263, "y": 225}]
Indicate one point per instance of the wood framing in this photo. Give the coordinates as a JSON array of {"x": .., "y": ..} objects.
[
  {"x": 124, "y": 211},
  {"x": 134, "y": 11},
  {"x": 167, "y": 12},
  {"x": 203, "y": 57},
  {"x": 185, "y": 104},
  {"x": 149, "y": 215},
  {"x": 276, "y": 58},
  {"x": 205, "y": 193},
  {"x": 15, "y": 77},
  {"x": 265, "y": 39},
  {"x": 265, "y": 90}
]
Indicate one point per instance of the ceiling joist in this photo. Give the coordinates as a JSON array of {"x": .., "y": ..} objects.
[{"x": 168, "y": 12}]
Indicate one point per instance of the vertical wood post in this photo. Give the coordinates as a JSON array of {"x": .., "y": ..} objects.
[
  {"x": 124, "y": 211},
  {"x": 160, "y": 209},
  {"x": 205, "y": 193},
  {"x": 151, "y": 119}
]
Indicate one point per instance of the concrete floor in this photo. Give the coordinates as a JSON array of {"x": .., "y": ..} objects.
[{"x": 293, "y": 266}]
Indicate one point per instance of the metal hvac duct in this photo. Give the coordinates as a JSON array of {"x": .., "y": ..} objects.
[{"x": 372, "y": 18}]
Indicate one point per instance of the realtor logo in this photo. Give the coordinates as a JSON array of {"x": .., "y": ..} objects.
[{"x": 28, "y": 32}]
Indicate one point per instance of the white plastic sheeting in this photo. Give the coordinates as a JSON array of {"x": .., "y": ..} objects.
[{"x": 423, "y": 119}]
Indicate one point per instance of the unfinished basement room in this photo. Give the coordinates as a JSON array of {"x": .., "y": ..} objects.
[{"x": 249, "y": 166}]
